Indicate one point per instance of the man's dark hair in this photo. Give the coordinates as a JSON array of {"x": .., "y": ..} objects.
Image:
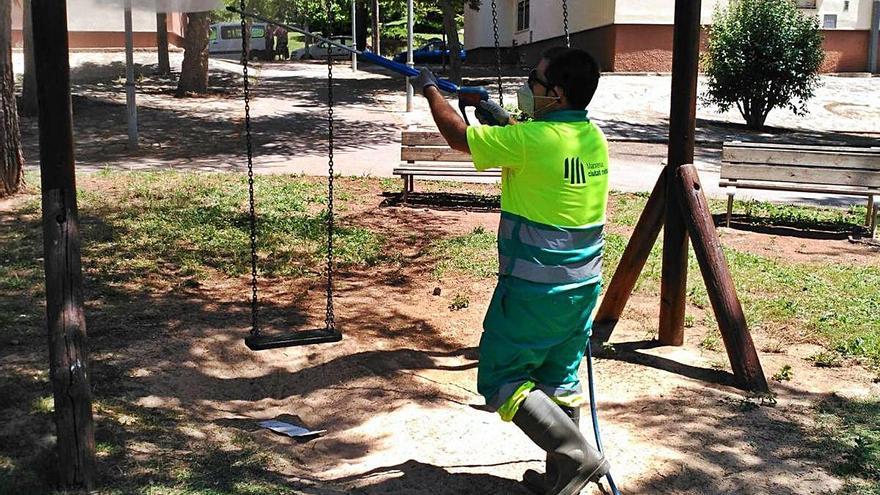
[{"x": 575, "y": 71}]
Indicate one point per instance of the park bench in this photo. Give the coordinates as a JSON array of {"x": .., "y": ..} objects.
[
  {"x": 426, "y": 154},
  {"x": 811, "y": 169}
]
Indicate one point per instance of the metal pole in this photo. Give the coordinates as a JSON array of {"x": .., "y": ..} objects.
[
  {"x": 409, "y": 52},
  {"x": 129, "y": 81},
  {"x": 875, "y": 38},
  {"x": 354, "y": 57}
]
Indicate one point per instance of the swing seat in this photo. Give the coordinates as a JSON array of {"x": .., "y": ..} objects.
[{"x": 262, "y": 342}]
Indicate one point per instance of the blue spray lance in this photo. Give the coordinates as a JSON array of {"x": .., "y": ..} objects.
[{"x": 468, "y": 96}]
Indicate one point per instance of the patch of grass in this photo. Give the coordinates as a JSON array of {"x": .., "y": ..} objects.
[
  {"x": 765, "y": 213},
  {"x": 712, "y": 341},
  {"x": 141, "y": 224},
  {"x": 826, "y": 359},
  {"x": 460, "y": 301},
  {"x": 472, "y": 254},
  {"x": 851, "y": 437},
  {"x": 784, "y": 374}
]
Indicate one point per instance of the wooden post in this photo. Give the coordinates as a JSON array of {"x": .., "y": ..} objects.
[
  {"x": 631, "y": 263},
  {"x": 682, "y": 124},
  {"x": 719, "y": 283},
  {"x": 68, "y": 358}
]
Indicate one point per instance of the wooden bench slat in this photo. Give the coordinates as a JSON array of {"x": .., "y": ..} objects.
[
  {"x": 798, "y": 157},
  {"x": 417, "y": 138},
  {"x": 809, "y": 175},
  {"x": 433, "y": 155},
  {"x": 801, "y": 147},
  {"x": 807, "y": 189}
]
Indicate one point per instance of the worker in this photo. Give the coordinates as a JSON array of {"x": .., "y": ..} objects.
[{"x": 554, "y": 191}]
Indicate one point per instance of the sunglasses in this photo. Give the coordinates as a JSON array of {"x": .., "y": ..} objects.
[{"x": 534, "y": 78}]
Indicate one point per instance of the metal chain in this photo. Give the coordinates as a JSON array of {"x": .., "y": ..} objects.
[
  {"x": 255, "y": 329},
  {"x": 497, "y": 51},
  {"x": 330, "y": 319},
  {"x": 565, "y": 22}
]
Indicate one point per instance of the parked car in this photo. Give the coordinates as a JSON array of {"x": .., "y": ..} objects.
[
  {"x": 225, "y": 38},
  {"x": 434, "y": 52},
  {"x": 319, "y": 50}
]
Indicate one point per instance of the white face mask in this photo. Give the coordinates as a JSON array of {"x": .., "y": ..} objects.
[{"x": 525, "y": 100}]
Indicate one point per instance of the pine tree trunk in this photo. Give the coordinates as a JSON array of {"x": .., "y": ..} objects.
[
  {"x": 162, "y": 43},
  {"x": 11, "y": 178},
  {"x": 362, "y": 14},
  {"x": 194, "y": 71},
  {"x": 453, "y": 45},
  {"x": 29, "y": 85},
  {"x": 377, "y": 38}
]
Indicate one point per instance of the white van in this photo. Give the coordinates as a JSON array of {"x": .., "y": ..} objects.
[{"x": 225, "y": 38}]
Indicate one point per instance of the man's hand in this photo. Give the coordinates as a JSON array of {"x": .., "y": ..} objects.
[
  {"x": 490, "y": 113},
  {"x": 423, "y": 80}
]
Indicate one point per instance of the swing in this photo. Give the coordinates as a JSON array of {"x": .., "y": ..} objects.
[{"x": 257, "y": 340}]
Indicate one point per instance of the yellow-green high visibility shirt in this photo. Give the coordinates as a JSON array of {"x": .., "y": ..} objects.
[{"x": 554, "y": 191}]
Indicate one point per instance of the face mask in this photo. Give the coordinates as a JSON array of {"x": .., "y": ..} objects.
[{"x": 525, "y": 100}]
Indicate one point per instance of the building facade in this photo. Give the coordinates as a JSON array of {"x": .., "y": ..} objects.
[
  {"x": 636, "y": 35},
  {"x": 99, "y": 24}
]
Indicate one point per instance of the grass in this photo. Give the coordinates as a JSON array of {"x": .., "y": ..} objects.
[
  {"x": 851, "y": 437},
  {"x": 470, "y": 254},
  {"x": 834, "y": 304}
]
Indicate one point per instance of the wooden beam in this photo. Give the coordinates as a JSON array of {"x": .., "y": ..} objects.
[
  {"x": 682, "y": 124},
  {"x": 719, "y": 283},
  {"x": 68, "y": 359},
  {"x": 631, "y": 263}
]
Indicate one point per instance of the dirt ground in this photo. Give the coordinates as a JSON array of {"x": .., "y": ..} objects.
[{"x": 397, "y": 396}]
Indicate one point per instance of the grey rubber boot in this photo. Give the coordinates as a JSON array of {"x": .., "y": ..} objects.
[
  {"x": 577, "y": 463},
  {"x": 539, "y": 482}
]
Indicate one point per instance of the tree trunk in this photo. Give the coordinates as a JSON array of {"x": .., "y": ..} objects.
[
  {"x": 194, "y": 72},
  {"x": 453, "y": 45},
  {"x": 29, "y": 86},
  {"x": 376, "y": 34},
  {"x": 362, "y": 14},
  {"x": 11, "y": 178},
  {"x": 162, "y": 43}
]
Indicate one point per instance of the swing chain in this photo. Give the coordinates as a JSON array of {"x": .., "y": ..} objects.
[
  {"x": 565, "y": 22},
  {"x": 497, "y": 51},
  {"x": 330, "y": 319},
  {"x": 255, "y": 329}
]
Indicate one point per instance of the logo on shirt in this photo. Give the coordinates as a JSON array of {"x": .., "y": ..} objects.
[{"x": 576, "y": 172}]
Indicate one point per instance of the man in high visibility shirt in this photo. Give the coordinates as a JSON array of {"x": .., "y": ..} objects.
[{"x": 554, "y": 191}]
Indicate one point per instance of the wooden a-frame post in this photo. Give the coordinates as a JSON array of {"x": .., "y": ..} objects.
[
  {"x": 68, "y": 359},
  {"x": 678, "y": 205}
]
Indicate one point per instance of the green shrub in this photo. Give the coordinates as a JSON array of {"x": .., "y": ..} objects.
[{"x": 762, "y": 54}]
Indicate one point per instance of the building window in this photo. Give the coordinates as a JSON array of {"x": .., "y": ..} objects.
[
  {"x": 829, "y": 21},
  {"x": 846, "y": 6},
  {"x": 522, "y": 15},
  {"x": 806, "y": 4}
]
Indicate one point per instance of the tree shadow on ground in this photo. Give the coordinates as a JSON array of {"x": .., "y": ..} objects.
[
  {"x": 713, "y": 133},
  {"x": 204, "y": 140},
  {"x": 718, "y": 443},
  {"x": 412, "y": 477},
  {"x": 167, "y": 356}
]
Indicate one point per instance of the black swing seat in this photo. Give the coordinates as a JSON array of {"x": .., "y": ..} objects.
[{"x": 261, "y": 342}]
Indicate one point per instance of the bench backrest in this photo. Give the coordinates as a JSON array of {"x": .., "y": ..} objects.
[
  {"x": 838, "y": 166},
  {"x": 428, "y": 147}
]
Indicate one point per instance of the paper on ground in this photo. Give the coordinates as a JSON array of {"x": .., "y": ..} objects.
[{"x": 289, "y": 429}]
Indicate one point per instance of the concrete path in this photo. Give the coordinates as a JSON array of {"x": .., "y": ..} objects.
[{"x": 290, "y": 124}]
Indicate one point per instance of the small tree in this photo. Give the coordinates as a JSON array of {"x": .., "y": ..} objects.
[{"x": 762, "y": 54}]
